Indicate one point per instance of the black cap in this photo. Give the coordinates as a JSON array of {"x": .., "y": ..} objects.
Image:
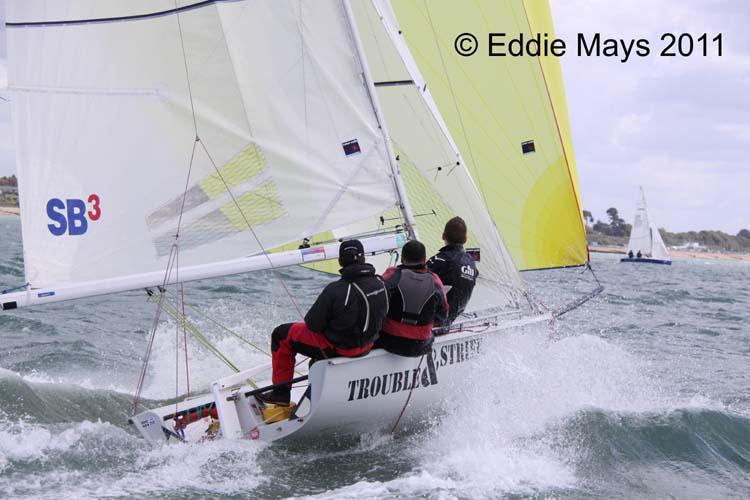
[{"x": 350, "y": 251}]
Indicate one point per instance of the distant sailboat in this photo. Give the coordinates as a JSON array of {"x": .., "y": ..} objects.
[{"x": 645, "y": 243}]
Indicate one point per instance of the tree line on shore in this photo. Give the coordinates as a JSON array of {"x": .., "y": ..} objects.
[
  {"x": 8, "y": 180},
  {"x": 617, "y": 232}
]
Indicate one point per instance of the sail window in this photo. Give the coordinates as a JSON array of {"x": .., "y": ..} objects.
[
  {"x": 351, "y": 147},
  {"x": 528, "y": 147}
]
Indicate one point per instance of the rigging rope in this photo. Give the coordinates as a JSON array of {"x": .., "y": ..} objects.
[
  {"x": 408, "y": 398},
  {"x": 154, "y": 326},
  {"x": 144, "y": 368}
]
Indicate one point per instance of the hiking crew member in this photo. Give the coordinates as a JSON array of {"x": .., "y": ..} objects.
[
  {"x": 344, "y": 320},
  {"x": 417, "y": 302},
  {"x": 455, "y": 268}
]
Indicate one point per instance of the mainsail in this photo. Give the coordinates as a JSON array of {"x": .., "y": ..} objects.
[
  {"x": 509, "y": 119},
  {"x": 246, "y": 128}
]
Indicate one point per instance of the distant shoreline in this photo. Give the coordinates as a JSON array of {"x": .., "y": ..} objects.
[
  {"x": 685, "y": 254},
  {"x": 8, "y": 211}
]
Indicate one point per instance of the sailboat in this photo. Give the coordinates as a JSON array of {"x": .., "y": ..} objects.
[
  {"x": 645, "y": 243},
  {"x": 159, "y": 144}
]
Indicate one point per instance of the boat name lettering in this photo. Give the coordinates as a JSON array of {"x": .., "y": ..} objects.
[{"x": 423, "y": 376}]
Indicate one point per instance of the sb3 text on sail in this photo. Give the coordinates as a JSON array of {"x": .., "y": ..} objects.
[{"x": 591, "y": 45}]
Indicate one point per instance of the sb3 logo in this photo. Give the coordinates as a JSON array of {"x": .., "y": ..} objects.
[{"x": 72, "y": 216}]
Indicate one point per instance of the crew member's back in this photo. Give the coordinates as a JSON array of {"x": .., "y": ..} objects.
[
  {"x": 455, "y": 268},
  {"x": 343, "y": 321},
  {"x": 416, "y": 303}
]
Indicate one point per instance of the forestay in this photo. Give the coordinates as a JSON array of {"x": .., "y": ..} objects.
[{"x": 106, "y": 116}]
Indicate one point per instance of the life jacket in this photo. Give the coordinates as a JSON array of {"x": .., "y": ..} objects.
[{"x": 412, "y": 297}]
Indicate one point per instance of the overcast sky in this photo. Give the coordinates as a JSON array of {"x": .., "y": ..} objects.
[{"x": 678, "y": 126}]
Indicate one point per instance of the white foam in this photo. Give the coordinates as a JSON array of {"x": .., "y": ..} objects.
[
  {"x": 216, "y": 467},
  {"x": 494, "y": 438},
  {"x": 409, "y": 486},
  {"x": 203, "y": 366},
  {"x": 22, "y": 441}
]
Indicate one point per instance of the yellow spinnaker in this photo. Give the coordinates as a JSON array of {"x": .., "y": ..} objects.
[{"x": 492, "y": 105}]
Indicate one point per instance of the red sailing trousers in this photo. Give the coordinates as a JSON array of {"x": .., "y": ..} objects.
[{"x": 291, "y": 338}]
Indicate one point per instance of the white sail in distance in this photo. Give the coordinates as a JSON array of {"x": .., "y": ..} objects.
[
  {"x": 644, "y": 236},
  {"x": 658, "y": 248},
  {"x": 640, "y": 234},
  {"x": 106, "y": 116}
]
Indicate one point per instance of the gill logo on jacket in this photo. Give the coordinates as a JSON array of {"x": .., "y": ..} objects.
[
  {"x": 467, "y": 271},
  {"x": 72, "y": 216}
]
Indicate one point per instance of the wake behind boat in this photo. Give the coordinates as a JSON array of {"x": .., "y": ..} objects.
[
  {"x": 240, "y": 136},
  {"x": 645, "y": 244}
]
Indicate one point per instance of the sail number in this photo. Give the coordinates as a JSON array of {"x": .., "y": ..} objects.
[{"x": 72, "y": 215}]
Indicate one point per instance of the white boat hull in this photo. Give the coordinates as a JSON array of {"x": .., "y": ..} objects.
[{"x": 348, "y": 396}]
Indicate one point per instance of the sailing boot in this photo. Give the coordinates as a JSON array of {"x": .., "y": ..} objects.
[{"x": 276, "y": 405}]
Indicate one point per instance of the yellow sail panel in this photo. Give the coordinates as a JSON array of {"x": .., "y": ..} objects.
[
  {"x": 508, "y": 118},
  {"x": 539, "y": 16}
]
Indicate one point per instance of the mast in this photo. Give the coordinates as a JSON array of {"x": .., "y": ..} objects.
[{"x": 404, "y": 205}]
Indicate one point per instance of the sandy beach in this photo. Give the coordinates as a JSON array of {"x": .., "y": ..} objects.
[
  {"x": 683, "y": 254},
  {"x": 9, "y": 211}
]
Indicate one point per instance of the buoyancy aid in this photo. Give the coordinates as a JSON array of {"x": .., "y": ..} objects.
[
  {"x": 416, "y": 294},
  {"x": 416, "y": 303}
]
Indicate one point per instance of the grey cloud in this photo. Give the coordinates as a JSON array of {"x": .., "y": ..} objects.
[{"x": 673, "y": 125}]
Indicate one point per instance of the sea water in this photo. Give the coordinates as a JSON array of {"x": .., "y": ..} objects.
[{"x": 641, "y": 393}]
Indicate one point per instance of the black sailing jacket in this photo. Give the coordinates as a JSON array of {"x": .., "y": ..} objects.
[
  {"x": 457, "y": 270},
  {"x": 350, "y": 311}
]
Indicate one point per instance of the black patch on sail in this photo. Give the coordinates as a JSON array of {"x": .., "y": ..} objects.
[
  {"x": 351, "y": 147},
  {"x": 528, "y": 147},
  {"x": 474, "y": 254}
]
